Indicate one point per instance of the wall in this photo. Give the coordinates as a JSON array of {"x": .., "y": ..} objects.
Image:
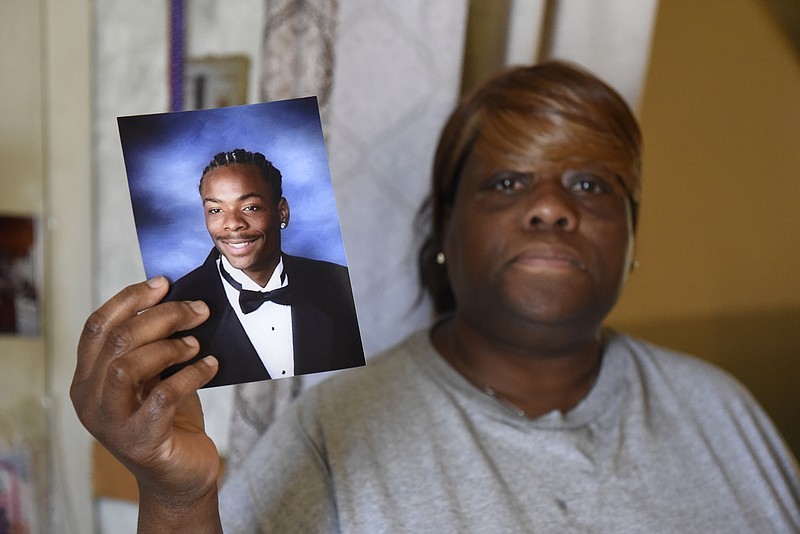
[
  {"x": 68, "y": 199},
  {"x": 22, "y": 357},
  {"x": 718, "y": 236},
  {"x": 45, "y": 147},
  {"x": 21, "y": 176}
]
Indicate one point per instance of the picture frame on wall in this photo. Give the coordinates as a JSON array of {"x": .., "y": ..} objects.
[
  {"x": 20, "y": 282},
  {"x": 215, "y": 81}
]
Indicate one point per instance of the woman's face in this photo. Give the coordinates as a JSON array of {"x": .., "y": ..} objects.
[{"x": 549, "y": 243}]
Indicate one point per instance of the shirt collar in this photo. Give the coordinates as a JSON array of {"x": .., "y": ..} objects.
[{"x": 276, "y": 280}]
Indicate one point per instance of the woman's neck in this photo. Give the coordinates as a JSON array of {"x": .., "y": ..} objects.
[{"x": 535, "y": 377}]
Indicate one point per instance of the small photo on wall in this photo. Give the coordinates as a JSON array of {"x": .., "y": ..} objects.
[
  {"x": 20, "y": 290},
  {"x": 235, "y": 206}
]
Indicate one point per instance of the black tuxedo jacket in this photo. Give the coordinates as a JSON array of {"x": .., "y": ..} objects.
[{"x": 324, "y": 325}]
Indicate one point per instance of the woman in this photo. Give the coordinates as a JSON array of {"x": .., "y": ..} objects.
[{"x": 515, "y": 412}]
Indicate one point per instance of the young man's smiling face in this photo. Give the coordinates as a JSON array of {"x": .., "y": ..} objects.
[{"x": 243, "y": 218}]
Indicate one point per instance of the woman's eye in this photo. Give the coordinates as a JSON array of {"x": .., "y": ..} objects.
[
  {"x": 589, "y": 184},
  {"x": 508, "y": 182}
]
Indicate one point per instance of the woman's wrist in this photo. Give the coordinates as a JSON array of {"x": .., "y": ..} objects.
[{"x": 171, "y": 513}]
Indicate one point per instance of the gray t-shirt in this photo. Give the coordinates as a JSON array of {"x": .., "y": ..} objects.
[{"x": 662, "y": 443}]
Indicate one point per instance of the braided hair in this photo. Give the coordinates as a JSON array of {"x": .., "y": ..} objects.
[{"x": 270, "y": 173}]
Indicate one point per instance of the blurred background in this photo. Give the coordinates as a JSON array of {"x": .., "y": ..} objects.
[{"x": 715, "y": 85}]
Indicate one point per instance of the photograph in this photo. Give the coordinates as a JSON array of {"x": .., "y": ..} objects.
[
  {"x": 235, "y": 206},
  {"x": 19, "y": 287}
]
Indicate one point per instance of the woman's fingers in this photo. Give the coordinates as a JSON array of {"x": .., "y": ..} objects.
[
  {"x": 153, "y": 325},
  {"x": 159, "y": 407},
  {"x": 125, "y": 304},
  {"x": 124, "y": 347},
  {"x": 147, "y": 440},
  {"x": 142, "y": 339},
  {"x": 129, "y": 376}
]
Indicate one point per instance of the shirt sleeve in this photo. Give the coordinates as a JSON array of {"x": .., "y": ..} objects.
[{"x": 283, "y": 485}]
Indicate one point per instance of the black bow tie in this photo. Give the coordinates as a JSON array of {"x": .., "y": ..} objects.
[{"x": 250, "y": 301}]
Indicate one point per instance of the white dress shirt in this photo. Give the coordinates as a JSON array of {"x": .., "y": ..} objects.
[{"x": 270, "y": 326}]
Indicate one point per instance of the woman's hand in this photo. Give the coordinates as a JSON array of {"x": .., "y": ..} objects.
[{"x": 154, "y": 427}]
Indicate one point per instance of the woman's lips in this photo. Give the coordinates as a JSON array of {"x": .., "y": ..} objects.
[{"x": 546, "y": 258}]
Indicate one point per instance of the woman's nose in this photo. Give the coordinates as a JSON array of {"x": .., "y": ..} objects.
[{"x": 550, "y": 206}]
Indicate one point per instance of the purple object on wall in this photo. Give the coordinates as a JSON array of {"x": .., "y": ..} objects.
[{"x": 176, "y": 55}]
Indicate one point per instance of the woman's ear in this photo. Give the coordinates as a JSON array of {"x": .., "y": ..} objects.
[
  {"x": 633, "y": 263},
  {"x": 443, "y": 236}
]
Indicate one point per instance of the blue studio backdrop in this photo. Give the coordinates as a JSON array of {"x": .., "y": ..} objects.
[{"x": 166, "y": 153}]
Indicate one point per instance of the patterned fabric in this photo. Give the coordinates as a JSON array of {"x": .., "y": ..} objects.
[
  {"x": 398, "y": 70},
  {"x": 255, "y": 406},
  {"x": 298, "y": 50}
]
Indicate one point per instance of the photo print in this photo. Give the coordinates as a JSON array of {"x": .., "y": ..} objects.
[{"x": 235, "y": 206}]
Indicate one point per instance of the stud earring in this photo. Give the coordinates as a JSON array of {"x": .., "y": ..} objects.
[
  {"x": 283, "y": 225},
  {"x": 440, "y": 259}
]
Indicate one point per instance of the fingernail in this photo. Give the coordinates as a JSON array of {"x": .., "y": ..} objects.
[
  {"x": 156, "y": 282},
  {"x": 198, "y": 305},
  {"x": 210, "y": 361},
  {"x": 190, "y": 340}
]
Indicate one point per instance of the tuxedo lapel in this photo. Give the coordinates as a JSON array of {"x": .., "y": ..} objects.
[
  {"x": 243, "y": 361},
  {"x": 310, "y": 327},
  {"x": 222, "y": 335}
]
